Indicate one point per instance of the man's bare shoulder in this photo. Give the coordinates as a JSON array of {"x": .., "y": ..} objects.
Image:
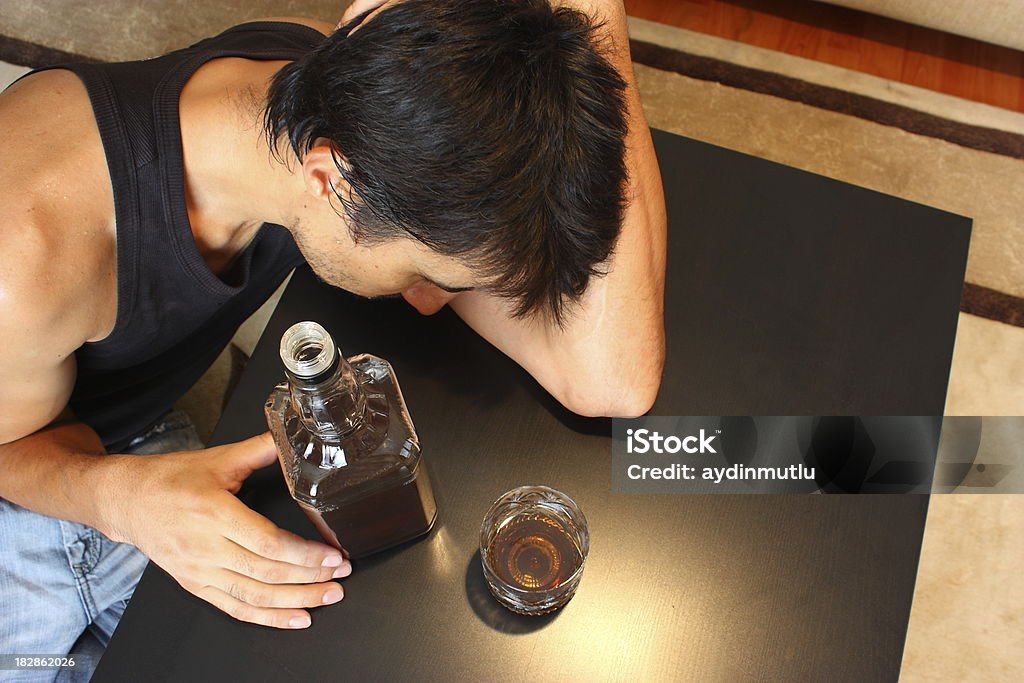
[
  {"x": 48, "y": 124},
  {"x": 42, "y": 300},
  {"x": 56, "y": 229},
  {"x": 39, "y": 334},
  {"x": 52, "y": 87},
  {"x": 40, "y": 328}
]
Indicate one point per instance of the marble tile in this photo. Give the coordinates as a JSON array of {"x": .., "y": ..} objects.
[
  {"x": 967, "y": 620},
  {"x": 10, "y": 73},
  {"x": 993, "y": 21},
  {"x": 116, "y": 30},
  {"x": 249, "y": 333},
  {"x": 987, "y": 377},
  {"x": 204, "y": 401}
]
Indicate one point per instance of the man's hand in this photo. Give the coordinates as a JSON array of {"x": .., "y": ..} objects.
[
  {"x": 358, "y": 7},
  {"x": 180, "y": 510}
]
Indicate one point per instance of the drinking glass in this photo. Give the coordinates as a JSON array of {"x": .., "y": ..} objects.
[{"x": 533, "y": 546}]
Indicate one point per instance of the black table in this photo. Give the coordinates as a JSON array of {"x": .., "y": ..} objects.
[{"x": 788, "y": 294}]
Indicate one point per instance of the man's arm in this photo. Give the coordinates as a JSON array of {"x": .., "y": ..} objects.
[
  {"x": 177, "y": 508},
  {"x": 609, "y": 358}
]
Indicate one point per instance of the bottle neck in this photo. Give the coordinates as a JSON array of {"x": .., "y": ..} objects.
[
  {"x": 326, "y": 392},
  {"x": 331, "y": 404}
]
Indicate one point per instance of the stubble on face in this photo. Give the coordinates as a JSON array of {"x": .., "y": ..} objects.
[
  {"x": 378, "y": 268},
  {"x": 331, "y": 260}
]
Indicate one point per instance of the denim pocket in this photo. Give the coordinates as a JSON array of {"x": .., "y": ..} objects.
[{"x": 172, "y": 433}]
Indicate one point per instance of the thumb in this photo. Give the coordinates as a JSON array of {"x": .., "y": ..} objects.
[{"x": 252, "y": 454}]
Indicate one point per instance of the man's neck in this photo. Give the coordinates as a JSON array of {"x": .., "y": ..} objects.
[{"x": 232, "y": 182}]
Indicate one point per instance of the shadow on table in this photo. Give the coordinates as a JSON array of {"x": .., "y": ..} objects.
[
  {"x": 491, "y": 612},
  {"x": 591, "y": 426}
]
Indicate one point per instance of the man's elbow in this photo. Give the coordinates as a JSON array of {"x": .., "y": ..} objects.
[
  {"x": 631, "y": 398},
  {"x": 633, "y": 404}
]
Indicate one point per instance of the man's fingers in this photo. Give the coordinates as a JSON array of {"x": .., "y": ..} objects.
[
  {"x": 238, "y": 460},
  {"x": 257, "y": 533},
  {"x": 258, "y": 594},
  {"x": 252, "y": 454},
  {"x": 266, "y": 616},
  {"x": 244, "y": 561},
  {"x": 358, "y": 7}
]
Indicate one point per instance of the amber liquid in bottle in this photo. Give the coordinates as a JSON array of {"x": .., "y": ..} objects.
[{"x": 347, "y": 446}]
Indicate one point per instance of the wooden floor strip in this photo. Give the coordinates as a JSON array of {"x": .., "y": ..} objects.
[{"x": 992, "y": 304}]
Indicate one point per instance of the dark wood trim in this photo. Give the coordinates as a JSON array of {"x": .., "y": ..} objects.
[
  {"x": 992, "y": 304},
  {"x": 24, "y": 53}
]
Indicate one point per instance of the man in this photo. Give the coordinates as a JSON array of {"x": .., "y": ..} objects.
[{"x": 490, "y": 156}]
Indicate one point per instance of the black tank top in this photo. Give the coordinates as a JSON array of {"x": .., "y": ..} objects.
[{"x": 174, "y": 315}]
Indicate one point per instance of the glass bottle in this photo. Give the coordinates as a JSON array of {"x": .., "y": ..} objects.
[{"x": 347, "y": 446}]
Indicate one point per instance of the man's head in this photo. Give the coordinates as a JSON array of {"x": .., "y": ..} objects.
[{"x": 483, "y": 134}]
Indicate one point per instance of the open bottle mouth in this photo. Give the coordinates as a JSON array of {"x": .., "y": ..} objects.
[{"x": 307, "y": 350}]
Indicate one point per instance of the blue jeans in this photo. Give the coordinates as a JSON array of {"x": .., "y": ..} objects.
[{"x": 64, "y": 586}]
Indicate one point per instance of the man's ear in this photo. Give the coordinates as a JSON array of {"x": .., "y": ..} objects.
[{"x": 320, "y": 170}]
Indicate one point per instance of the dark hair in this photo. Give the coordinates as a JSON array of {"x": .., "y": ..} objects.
[{"x": 490, "y": 130}]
